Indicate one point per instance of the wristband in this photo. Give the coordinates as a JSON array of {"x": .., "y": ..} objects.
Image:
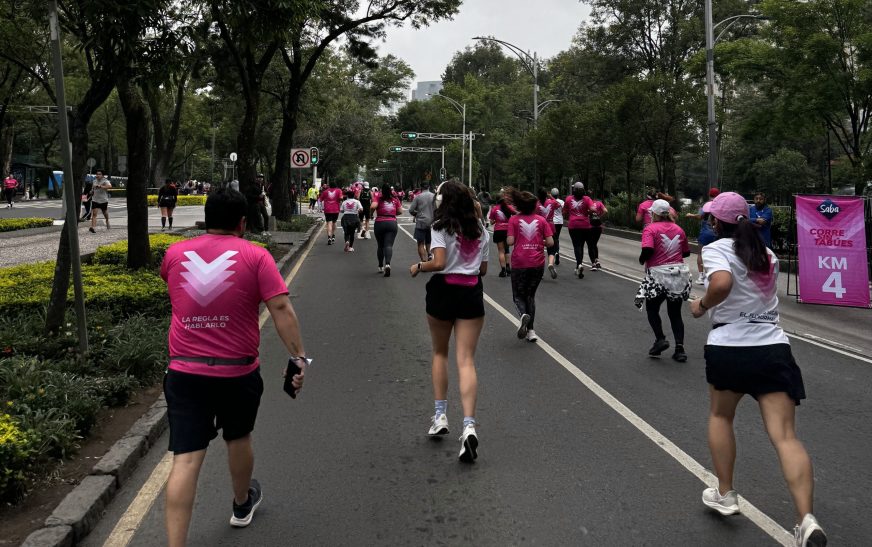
[
  {"x": 703, "y": 306},
  {"x": 419, "y": 266},
  {"x": 298, "y": 358}
]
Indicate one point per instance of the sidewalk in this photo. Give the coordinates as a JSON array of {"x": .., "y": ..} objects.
[{"x": 847, "y": 329}]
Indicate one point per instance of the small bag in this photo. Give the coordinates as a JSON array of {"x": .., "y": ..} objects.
[{"x": 675, "y": 278}]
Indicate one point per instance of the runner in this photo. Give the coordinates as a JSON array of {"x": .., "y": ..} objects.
[
  {"x": 455, "y": 302},
  {"x": 529, "y": 233},
  {"x": 386, "y": 208},
  {"x": 548, "y": 209},
  {"x": 667, "y": 278},
  {"x": 422, "y": 209},
  {"x": 643, "y": 217},
  {"x": 365, "y": 197},
  {"x": 484, "y": 201},
  {"x": 313, "y": 197},
  {"x": 748, "y": 353},
  {"x": 558, "y": 224},
  {"x": 331, "y": 198},
  {"x": 575, "y": 210},
  {"x": 167, "y": 197},
  {"x": 350, "y": 221},
  {"x": 596, "y": 214},
  {"x": 10, "y": 185},
  {"x": 499, "y": 216},
  {"x": 706, "y": 234}
]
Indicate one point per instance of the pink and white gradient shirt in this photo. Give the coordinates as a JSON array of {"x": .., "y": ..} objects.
[
  {"x": 668, "y": 241},
  {"x": 529, "y": 232},
  {"x": 331, "y": 198},
  {"x": 386, "y": 210},
  {"x": 216, "y": 284}
]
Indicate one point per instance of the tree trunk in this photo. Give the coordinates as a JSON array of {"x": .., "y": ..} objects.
[
  {"x": 281, "y": 202},
  {"x": 136, "y": 122}
]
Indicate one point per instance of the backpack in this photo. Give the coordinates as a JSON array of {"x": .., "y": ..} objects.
[{"x": 365, "y": 195}]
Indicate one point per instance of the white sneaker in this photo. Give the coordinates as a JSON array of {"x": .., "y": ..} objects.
[
  {"x": 438, "y": 425},
  {"x": 728, "y": 504},
  {"x": 809, "y": 533},
  {"x": 579, "y": 271},
  {"x": 381, "y": 270},
  {"x": 522, "y": 330},
  {"x": 531, "y": 336},
  {"x": 701, "y": 279},
  {"x": 468, "y": 445}
]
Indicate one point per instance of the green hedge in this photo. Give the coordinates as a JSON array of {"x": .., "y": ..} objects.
[
  {"x": 12, "y": 224},
  {"x": 116, "y": 253},
  {"x": 183, "y": 201},
  {"x": 298, "y": 223},
  {"x": 109, "y": 287}
]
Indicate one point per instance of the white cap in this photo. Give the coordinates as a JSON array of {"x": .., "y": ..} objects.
[
  {"x": 578, "y": 185},
  {"x": 660, "y": 207},
  {"x": 365, "y": 184}
]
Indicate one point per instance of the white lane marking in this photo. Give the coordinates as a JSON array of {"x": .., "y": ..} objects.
[
  {"x": 132, "y": 518},
  {"x": 755, "y": 515}
]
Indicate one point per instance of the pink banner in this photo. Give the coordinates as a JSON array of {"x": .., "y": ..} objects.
[{"x": 833, "y": 266}]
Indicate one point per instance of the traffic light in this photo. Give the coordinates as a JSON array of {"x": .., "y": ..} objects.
[
  {"x": 409, "y": 135},
  {"x": 396, "y": 148},
  {"x": 313, "y": 155}
]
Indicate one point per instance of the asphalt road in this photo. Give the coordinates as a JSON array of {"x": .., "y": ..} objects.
[{"x": 349, "y": 461}]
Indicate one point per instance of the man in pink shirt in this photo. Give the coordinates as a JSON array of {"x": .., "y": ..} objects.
[
  {"x": 332, "y": 197},
  {"x": 216, "y": 283}
]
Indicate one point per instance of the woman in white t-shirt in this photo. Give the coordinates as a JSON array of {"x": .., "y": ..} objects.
[
  {"x": 455, "y": 302},
  {"x": 748, "y": 353},
  {"x": 349, "y": 212}
]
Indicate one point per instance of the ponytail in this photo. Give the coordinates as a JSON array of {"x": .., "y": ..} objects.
[{"x": 747, "y": 244}]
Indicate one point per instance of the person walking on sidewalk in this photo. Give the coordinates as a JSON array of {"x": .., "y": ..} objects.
[
  {"x": 10, "y": 186},
  {"x": 748, "y": 353},
  {"x": 216, "y": 283},
  {"x": 455, "y": 302},
  {"x": 386, "y": 209},
  {"x": 350, "y": 221},
  {"x": 422, "y": 209},
  {"x": 167, "y": 197},
  {"x": 100, "y": 199},
  {"x": 667, "y": 278},
  {"x": 529, "y": 233}
]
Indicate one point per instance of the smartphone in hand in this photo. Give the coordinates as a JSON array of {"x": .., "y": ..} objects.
[{"x": 293, "y": 370}]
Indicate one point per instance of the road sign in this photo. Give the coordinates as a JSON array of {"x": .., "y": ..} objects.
[
  {"x": 233, "y": 156},
  {"x": 301, "y": 158},
  {"x": 91, "y": 162}
]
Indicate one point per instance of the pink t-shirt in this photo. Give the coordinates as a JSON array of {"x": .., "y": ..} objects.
[
  {"x": 575, "y": 210},
  {"x": 644, "y": 209},
  {"x": 387, "y": 210},
  {"x": 9, "y": 183},
  {"x": 216, "y": 284},
  {"x": 668, "y": 241},
  {"x": 331, "y": 198},
  {"x": 498, "y": 218},
  {"x": 548, "y": 209},
  {"x": 529, "y": 232}
]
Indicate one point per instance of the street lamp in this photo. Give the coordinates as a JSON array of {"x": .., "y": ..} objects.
[
  {"x": 461, "y": 109},
  {"x": 710, "y": 42},
  {"x": 529, "y": 63}
]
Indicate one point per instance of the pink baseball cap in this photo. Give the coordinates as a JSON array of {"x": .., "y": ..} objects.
[
  {"x": 728, "y": 207},
  {"x": 707, "y": 207}
]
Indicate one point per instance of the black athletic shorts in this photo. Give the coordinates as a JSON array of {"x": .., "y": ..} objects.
[
  {"x": 331, "y": 217},
  {"x": 755, "y": 370},
  {"x": 449, "y": 302},
  {"x": 101, "y": 206},
  {"x": 198, "y": 406},
  {"x": 366, "y": 213},
  {"x": 500, "y": 236},
  {"x": 422, "y": 235}
]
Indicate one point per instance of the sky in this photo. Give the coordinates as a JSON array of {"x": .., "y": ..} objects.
[{"x": 543, "y": 26}]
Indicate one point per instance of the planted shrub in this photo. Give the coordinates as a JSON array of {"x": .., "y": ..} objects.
[
  {"x": 183, "y": 201},
  {"x": 116, "y": 253},
  {"x": 12, "y": 224}
]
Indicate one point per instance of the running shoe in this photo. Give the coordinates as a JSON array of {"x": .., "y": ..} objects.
[
  {"x": 92, "y": 230},
  {"x": 728, "y": 504},
  {"x": 596, "y": 266},
  {"x": 468, "y": 444},
  {"x": 659, "y": 347},
  {"x": 522, "y": 330},
  {"x": 347, "y": 247},
  {"x": 502, "y": 272},
  {"x": 579, "y": 271},
  {"x": 809, "y": 533},
  {"x": 351, "y": 249},
  {"x": 387, "y": 270},
  {"x": 242, "y": 514},
  {"x": 679, "y": 354},
  {"x": 553, "y": 271},
  {"x": 531, "y": 336},
  {"x": 438, "y": 425},
  {"x": 508, "y": 269},
  {"x": 329, "y": 240},
  {"x": 381, "y": 269},
  {"x": 701, "y": 279}
]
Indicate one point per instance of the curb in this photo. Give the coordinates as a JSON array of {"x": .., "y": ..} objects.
[
  {"x": 78, "y": 513},
  {"x": 12, "y": 234}
]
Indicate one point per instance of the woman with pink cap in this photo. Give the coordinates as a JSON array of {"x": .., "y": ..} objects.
[
  {"x": 748, "y": 353},
  {"x": 667, "y": 278}
]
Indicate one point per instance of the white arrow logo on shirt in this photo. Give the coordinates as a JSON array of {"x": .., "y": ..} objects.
[
  {"x": 206, "y": 281},
  {"x": 529, "y": 229},
  {"x": 670, "y": 244}
]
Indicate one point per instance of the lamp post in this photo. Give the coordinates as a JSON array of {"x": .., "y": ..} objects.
[
  {"x": 710, "y": 42},
  {"x": 461, "y": 109},
  {"x": 530, "y": 63}
]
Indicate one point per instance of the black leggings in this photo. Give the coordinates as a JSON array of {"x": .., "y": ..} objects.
[
  {"x": 385, "y": 233},
  {"x": 350, "y": 225},
  {"x": 555, "y": 250},
  {"x": 10, "y": 194},
  {"x": 525, "y": 281},
  {"x": 673, "y": 309},
  {"x": 579, "y": 237},
  {"x": 592, "y": 241}
]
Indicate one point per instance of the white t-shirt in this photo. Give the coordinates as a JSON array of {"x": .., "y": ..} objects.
[
  {"x": 558, "y": 214},
  {"x": 750, "y": 312},
  {"x": 350, "y": 207},
  {"x": 461, "y": 256}
]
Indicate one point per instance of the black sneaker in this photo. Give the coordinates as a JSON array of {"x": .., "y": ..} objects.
[
  {"x": 659, "y": 347},
  {"x": 502, "y": 272},
  {"x": 387, "y": 270},
  {"x": 679, "y": 354},
  {"x": 242, "y": 514}
]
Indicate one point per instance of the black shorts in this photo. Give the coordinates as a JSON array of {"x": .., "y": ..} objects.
[
  {"x": 331, "y": 217},
  {"x": 449, "y": 302},
  {"x": 366, "y": 213},
  {"x": 500, "y": 236},
  {"x": 101, "y": 206},
  {"x": 422, "y": 235},
  {"x": 755, "y": 370},
  {"x": 312, "y": 202},
  {"x": 198, "y": 406}
]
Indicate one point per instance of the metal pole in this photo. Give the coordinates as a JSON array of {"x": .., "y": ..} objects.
[
  {"x": 72, "y": 211},
  {"x": 463, "y": 147},
  {"x": 535, "y": 90},
  {"x": 469, "y": 182},
  {"x": 443, "y": 157},
  {"x": 829, "y": 165},
  {"x": 710, "y": 91},
  {"x": 212, "y": 169}
]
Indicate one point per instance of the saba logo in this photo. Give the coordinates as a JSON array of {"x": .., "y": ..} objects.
[{"x": 828, "y": 209}]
